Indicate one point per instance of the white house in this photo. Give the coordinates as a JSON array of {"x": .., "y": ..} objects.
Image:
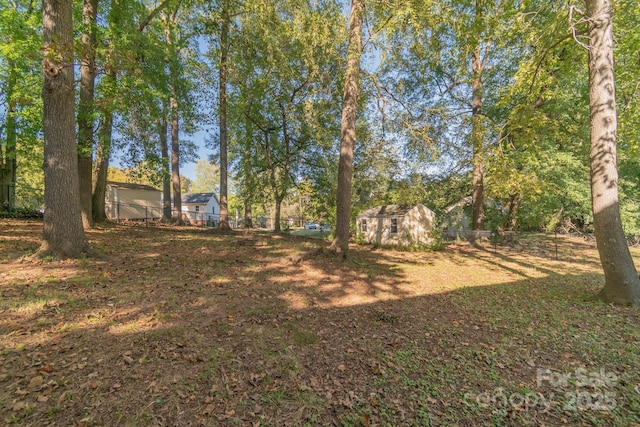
[
  {"x": 200, "y": 208},
  {"x": 396, "y": 225},
  {"x": 132, "y": 201}
]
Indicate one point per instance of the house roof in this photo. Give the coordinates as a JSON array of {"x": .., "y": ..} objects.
[
  {"x": 129, "y": 186},
  {"x": 387, "y": 210},
  {"x": 198, "y": 198}
]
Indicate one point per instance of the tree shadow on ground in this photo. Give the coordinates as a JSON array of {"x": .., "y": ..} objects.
[{"x": 227, "y": 333}]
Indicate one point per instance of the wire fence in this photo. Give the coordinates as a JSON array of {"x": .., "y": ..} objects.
[{"x": 152, "y": 214}]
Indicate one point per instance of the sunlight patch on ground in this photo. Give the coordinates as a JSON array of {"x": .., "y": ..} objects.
[{"x": 33, "y": 308}]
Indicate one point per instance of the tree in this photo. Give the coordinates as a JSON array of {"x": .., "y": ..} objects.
[
  {"x": 222, "y": 112},
  {"x": 21, "y": 106},
  {"x": 86, "y": 109},
  {"x": 340, "y": 243},
  {"x": 63, "y": 235},
  {"x": 622, "y": 285},
  {"x": 207, "y": 177},
  {"x": 284, "y": 75}
]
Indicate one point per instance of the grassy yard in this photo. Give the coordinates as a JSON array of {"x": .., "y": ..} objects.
[{"x": 186, "y": 327}]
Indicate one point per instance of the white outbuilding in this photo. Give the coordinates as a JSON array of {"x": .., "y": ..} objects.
[
  {"x": 401, "y": 225},
  {"x": 124, "y": 201}
]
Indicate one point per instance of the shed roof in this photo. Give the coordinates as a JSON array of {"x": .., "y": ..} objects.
[
  {"x": 387, "y": 210},
  {"x": 198, "y": 198},
  {"x": 130, "y": 186}
]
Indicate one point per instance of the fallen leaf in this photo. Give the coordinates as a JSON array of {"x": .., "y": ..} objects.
[
  {"x": 341, "y": 368},
  {"x": 17, "y": 406},
  {"x": 46, "y": 368},
  {"x": 36, "y": 382}
]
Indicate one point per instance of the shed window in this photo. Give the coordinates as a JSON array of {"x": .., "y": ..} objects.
[
  {"x": 394, "y": 225},
  {"x": 197, "y": 208},
  {"x": 363, "y": 225}
]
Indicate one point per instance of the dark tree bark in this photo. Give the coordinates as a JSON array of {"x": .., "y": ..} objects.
[
  {"x": 622, "y": 285},
  {"x": 86, "y": 110},
  {"x": 63, "y": 235},
  {"x": 340, "y": 243},
  {"x": 224, "y": 42},
  {"x": 103, "y": 152},
  {"x": 514, "y": 205}
]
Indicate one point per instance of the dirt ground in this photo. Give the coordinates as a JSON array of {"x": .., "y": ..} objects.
[{"x": 189, "y": 327}]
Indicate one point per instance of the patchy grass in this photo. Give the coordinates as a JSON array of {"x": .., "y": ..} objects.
[{"x": 189, "y": 327}]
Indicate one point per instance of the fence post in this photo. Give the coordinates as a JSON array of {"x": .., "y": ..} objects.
[
  {"x": 118, "y": 212},
  {"x": 146, "y": 217}
]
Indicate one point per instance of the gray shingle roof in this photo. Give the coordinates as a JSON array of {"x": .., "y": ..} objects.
[{"x": 198, "y": 198}]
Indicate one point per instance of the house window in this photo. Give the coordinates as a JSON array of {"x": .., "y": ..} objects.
[
  {"x": 197, "y": 208},
  {"x": 363, "y": 225},
  {"x": 394, "y": 225}
]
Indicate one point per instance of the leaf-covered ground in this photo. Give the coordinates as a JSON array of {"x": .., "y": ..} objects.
[{"x": 181, "y": 327}]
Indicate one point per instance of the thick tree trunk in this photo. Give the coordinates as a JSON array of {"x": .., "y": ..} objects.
[
  {"x": 340, "y": 243},
  {"x": 86, "y": 109},
  {"x": 63, "y": 235},
  {"x": 622, "y": 285},
  {"x": 477, "y": 135},
  {"x": 224, "y": 41},
  {"x": 8, "y": 160}
]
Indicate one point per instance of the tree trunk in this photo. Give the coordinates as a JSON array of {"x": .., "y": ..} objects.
[
  {"x": 175, "y": 160},
  {"x": 224, "y": 41},
  {"x": 340, "y": 243},
  {"x": 63, "y": 235},
  {"x": 514, "y": 205},
  {"x": 477, "y": 135},
  {"x": 276, "y": 216},
  {"x": 86, "y": 110},
  {"x": 8, "y": 161},
  {"x": 175, "y": 122},
  {"x": 166, "y": 172},
  {"x": 248, "y": 214},
  {"x": 622, "y": 285},
  {"x": 103, "y": 152}
]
